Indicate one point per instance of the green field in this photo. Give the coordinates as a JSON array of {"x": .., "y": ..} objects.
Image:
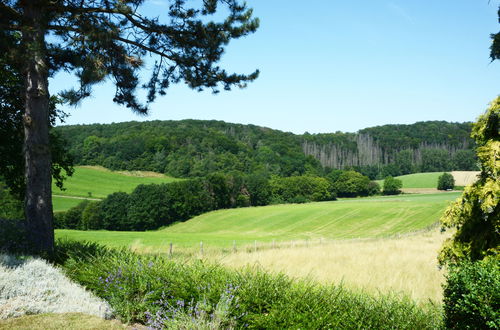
[
  {"x": 61, "y": 204},
  {"x": 100, "y": 182},
  {"x": 349, "y": 218},
  {"x": 418, "y": 180}
]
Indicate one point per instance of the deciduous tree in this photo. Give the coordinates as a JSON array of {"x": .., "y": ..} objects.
[{"x": 107, "y": 38}]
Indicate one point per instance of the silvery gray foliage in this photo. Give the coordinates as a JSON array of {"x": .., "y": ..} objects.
[{"x": 33, "y": 286}]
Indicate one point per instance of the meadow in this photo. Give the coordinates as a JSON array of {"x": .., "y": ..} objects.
[
  {"x": 429, "y": 180},
  {"x": 96, "y": 182},
  {"x": 404, "y": 265},
  {"x": 374, "y": 217}
]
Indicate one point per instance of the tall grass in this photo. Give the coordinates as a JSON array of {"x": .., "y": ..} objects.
[
  {"x": 405, "y": 265},
  {"x": 139, "y": 287}
]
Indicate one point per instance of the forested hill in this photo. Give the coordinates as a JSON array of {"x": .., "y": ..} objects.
[{"x": 190, "y": 148}]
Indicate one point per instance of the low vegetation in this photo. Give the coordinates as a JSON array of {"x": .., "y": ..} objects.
[
  {"x": 32, "y": 286},
  {"x": 404, "y": 265},
  {"x": 66, "y": 321},
  {"x": 155, "y": 291}
]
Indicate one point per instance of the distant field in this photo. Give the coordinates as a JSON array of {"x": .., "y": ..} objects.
[
  {"x": 100, "y": 182},
  {"x": 349, "y": 218},
  {"x": 63, "y": 204},
  {"x": 430, "y": 179}
]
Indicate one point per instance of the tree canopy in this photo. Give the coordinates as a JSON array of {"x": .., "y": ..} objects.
[
  {"x": 98, "y": 39},
  {"x": 476, "y": 214}
]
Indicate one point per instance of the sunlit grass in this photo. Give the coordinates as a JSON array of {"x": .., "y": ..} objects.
[
  {"x": 61, "y": 204},
  {"x": 98, "y": 182},
  {"x": 405, "y": 265},
  {"x": 66, "y": 321},
  {"x": 345, "y": 219}
]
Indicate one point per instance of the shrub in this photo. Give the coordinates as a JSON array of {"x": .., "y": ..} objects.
[
  {"x": 472, "y": 295},
  {"x": 114, "y": 210},
  {"x": 13, "y": 236},
  {"x": 351, "y": 184},
  {"x": 446, "y": 181},
  {"x": 373, "y": 188},
  {"x": 92, "y": 216},
  {"x": 392, "y": 186},
  {"x": 73, "y": 216},
  {"x": 10, "y": 207},
  {"x": 295, "y": 188},
  {"x": 33, "y": 287}
]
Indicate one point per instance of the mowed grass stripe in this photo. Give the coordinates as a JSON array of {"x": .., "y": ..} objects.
[
  {"x": 363, "y": 218},
  {"x": 100, "y": 182}
]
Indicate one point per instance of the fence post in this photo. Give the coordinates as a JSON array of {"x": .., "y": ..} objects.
[
  {"x": 201, "y": 248},
  {"x": 234, "y": 246},
  {"x": 170, "y": 252},
  {"x": 274, "y": 244}
]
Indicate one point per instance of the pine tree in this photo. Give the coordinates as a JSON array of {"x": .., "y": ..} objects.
[{"x": 97, "y": 39}]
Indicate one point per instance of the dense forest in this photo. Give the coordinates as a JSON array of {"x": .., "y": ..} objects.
[{"x": 196, "y": 148}]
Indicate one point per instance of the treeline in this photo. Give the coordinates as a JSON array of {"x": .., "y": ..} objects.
[
  {"x": 155, "y": 205},
  {"x": 393, "y": 150},
  {"x": 196, "y": 148}
]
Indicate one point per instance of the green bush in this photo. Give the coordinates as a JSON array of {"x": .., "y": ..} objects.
[
  {"x": 292, "y": 189},
  {"x": 73, "y": 216},
  {"x": 446, "y": 181},
  {"x": 12, "y": 236},
  {"x": 10, "y": 207},
  {"x": 114, "y": 211},
  {"x": 155, "y": 290},
  {"x": 392, "y": 186},
  {"x": 472, "y": 295},
  {"x": 92, "y": 216}
]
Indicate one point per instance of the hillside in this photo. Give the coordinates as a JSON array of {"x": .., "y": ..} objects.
[
  {"x": 98, "y": 182},
  {"x": 349, "y": 218},
  {"x": 95, "y": 182},
  {"x": 190, "y": 148},
  {"x": 430, "y": 180}
]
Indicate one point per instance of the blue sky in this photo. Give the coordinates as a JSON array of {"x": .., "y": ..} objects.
[{"x": 338, "y": 65}]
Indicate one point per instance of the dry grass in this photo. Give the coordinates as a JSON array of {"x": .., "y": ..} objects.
[
  {"x": 139, "y": 174},
  {"x": 464, "y": 178},
  {"x": 67, "y": 321},
  {"x": 403, "y": 265}
]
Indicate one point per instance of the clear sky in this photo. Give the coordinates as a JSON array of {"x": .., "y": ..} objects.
[{"x": 338, "y": 65}]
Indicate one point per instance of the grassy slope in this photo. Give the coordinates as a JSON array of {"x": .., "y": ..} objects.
[
  {"x": 63, "y": 203},
  {"x": 349, "y": 218},
  {"x": 101, "y": 182},
  {"x": 418, "y": 180}
]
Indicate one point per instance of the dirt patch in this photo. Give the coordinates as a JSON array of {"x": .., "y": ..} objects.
[
  {"x": 464, "y": 178},
  {"x": 140, "y": 174},
  {"x": 421, "y": 190}
]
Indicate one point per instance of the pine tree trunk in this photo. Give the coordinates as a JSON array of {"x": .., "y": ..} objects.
[{"x": 38, "y": 200}]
